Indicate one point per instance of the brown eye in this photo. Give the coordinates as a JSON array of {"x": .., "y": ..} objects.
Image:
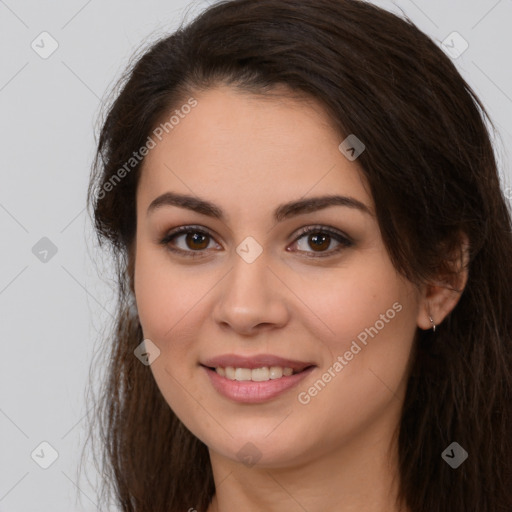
[
  {"x": 319, "y": 242},
  {"x": 188, "y": 241},
  {"x": 319, "y": 239},
  {"x": 196, "y": 240}
]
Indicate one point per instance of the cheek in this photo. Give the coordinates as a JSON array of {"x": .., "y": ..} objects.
[
  {"x": 337, "y": 310},
  {"x": 170, "y": 302},
  {"x": 165, "y": 297},
  {"x": 165, "y": 302},
  {"x": 363, "y": 294},
  {"x": 369, "y": 357},
  {"x": 370, "y": 316}
]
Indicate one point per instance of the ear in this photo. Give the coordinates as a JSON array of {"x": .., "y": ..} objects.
[{"x": 438, "y": 298}]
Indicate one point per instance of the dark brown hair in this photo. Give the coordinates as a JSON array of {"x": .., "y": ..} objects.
[{"x": 432, "y": 171}]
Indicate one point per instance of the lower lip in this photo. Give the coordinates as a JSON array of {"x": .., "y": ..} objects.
[{"x": 251, "y": 392}]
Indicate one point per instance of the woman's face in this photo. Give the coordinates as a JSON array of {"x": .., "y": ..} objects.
[{"x": 245, "y": 282}]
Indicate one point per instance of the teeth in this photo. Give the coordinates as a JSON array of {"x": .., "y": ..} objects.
[{"x": 257, "y": 374}]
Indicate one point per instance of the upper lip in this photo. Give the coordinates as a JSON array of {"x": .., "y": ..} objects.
[{"x": 258, "y": 361}]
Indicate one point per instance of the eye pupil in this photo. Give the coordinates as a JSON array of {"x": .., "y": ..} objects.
[
  {"x": 319, "y": 241},
  {"x": 196, "y": 238}
]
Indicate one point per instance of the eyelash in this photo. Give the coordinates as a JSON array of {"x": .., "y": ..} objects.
[{"x": 342, "y": 239}]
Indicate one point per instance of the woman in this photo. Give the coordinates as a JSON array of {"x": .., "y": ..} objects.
[{"x": 314, "y": 270}]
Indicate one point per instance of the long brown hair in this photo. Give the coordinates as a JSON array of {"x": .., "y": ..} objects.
[{"x": 431, "y": 167}]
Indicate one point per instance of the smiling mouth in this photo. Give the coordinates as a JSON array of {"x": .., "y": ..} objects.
[
  {"x": 262, "y": 374},
  {"x": 256, "y": 385}
]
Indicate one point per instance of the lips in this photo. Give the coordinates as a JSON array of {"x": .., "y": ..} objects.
[
  {"x": 258, "y": 361},
  {"x": 250, "y": 392},
  {"x": 285, "y": 374}
]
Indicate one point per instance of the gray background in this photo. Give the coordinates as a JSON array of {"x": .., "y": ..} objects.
[{"x": 53, "y": 311}]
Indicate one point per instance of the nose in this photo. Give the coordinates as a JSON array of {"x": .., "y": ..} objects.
[{"x": 251, "y": 298}]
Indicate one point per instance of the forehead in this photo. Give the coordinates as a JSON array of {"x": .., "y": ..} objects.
[{"x": 257, "y": 150}]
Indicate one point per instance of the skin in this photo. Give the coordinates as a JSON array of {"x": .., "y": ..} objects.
[{"x": 248, "y": 155}]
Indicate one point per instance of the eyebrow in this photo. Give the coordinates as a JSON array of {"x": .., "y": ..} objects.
[{"x": 284, "y": 211}]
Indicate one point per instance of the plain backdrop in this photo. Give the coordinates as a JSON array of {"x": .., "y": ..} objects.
[{"x": 53, "y": 301}]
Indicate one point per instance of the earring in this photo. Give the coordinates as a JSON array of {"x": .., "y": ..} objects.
[{"x": 433, "y": 324}]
